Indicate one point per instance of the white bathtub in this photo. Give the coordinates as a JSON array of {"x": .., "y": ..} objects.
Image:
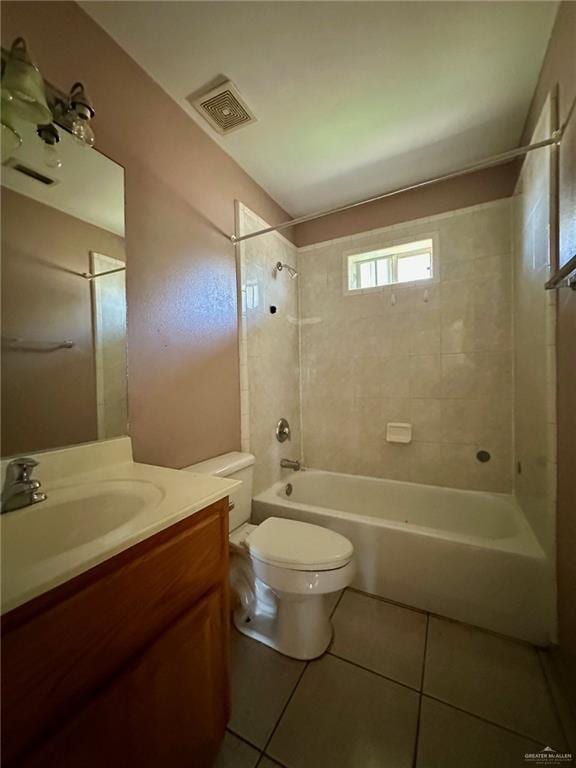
[{"x": 467, "y": 555}]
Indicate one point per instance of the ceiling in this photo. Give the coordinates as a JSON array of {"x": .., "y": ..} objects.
[
  {"x": 352, "y": 98},
  {"x": 88, "y": 185}
]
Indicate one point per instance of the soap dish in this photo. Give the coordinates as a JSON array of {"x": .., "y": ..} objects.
[{"x": 397, "y": 432}]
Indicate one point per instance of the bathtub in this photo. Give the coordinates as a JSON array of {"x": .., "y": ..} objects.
[{"x": 467, "y": 555}]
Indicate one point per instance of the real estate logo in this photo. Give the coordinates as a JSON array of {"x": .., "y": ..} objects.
[{"x": 548, "y": 756}]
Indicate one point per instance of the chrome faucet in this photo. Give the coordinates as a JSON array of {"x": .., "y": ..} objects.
[
  {"x": 290, "y": 464},
  {"x": 19, "y": 489}
]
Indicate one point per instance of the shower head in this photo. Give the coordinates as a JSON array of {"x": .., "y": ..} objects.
[{"x": 291, "y": 271}]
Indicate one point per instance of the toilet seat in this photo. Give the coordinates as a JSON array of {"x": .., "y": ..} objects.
[{"x": 298, "y": 546}]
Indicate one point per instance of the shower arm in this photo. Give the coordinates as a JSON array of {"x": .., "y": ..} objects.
[{"x": 291, "y": 271}]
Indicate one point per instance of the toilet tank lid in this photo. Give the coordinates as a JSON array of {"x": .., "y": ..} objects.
[{"x": 223, "y": 466}]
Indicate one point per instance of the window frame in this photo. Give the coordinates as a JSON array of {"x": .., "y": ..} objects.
[{"x": 385, "y": 244}]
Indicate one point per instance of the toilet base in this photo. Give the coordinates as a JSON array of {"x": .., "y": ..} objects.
[{"x": 298, "y": 626}]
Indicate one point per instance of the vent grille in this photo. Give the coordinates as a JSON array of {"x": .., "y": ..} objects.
[
  {"x": 223, "y": 108},
  {"x": 30, "y": 172}
]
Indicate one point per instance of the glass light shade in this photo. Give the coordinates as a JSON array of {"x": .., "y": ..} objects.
[
  {"x": 23, "y": 86},
  {"x": 82, "y": 130},
  {"x": 10, "y": 140},
  {"x": 52, "y": 157}
]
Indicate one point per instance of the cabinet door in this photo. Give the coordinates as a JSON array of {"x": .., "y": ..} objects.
[
  {"x": 168, "y": 708},
  {"x": 62, "y": 647}
]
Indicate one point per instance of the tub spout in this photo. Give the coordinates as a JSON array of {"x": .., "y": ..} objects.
[{"x": 290, "y": 464}]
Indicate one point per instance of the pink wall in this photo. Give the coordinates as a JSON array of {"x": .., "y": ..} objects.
[
  {"x": 48, "y": 399},
  {"x": 181, "y": 280},
  {"x": 559, "y": 69},
  {"x": 480, "y": 187}
]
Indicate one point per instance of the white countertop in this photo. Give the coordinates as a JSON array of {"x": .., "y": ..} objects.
[{"x": 92, "y": 515}]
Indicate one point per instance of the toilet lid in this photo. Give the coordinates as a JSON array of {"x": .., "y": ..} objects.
[{"x": 299, "y": 546}]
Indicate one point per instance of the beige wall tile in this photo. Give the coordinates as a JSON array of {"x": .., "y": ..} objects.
[
  {"x": 494, "y": 374},
  {"x": 425, "y": 376},
  {"x": 534, "y": 347},
  {"x": 426, "y": 418},
  {"x": 460, "y": 421},
  {"x": 459, "y": 376},
  {"x": 425, "y": 332},
  {"x": 435, "y": 355},
  {"x": 269, "y": 350}
]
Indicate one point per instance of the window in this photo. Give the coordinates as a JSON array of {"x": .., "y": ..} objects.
[{"x": 403, "y": 263}]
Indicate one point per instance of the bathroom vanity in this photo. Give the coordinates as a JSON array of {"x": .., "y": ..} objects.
[
  {"x": 123, "y": 661},
  {"x": 114, "y": 587}
]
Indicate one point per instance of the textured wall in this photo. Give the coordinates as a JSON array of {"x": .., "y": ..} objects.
[
  {"x": 269, "y": 350},
  {"x": 464, "y": 191},
  {"x": 443, "y": 364},
  {"x": 183, "y": 372}
]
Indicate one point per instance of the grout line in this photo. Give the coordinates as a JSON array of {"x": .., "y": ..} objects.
[
  {"x": 337, "y": 603},
  {"x": 425, "y": 652},
  {"x": 284, "y": 708},
  {"x": 443, "y": 701},
  {"x": 419, "y": 717},
  {"x": 333, "y": 611},
  {"x": 420, "y": 692},
  {"x": 552, "y": 697},
  {"x": 273, "y": 759},
  {"x": 492, "y": 632},
  {"x": 387, "y": 600},
  {"x": 417, "y": 735},
  {"x": 243, "y": 738},
  {"x": 260, "y": 750},
  {"x": 373, "y": 672},
  {"x": 489, "y": 722},
  {"x": 433, "y": 615}
]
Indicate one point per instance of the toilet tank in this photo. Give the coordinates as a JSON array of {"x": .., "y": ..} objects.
[{"x": 236, "y": 465}]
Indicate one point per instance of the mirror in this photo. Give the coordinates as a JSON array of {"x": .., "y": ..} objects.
[{"x": 63, "y": 333}]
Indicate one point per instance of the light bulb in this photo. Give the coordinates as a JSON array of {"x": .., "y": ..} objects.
[
  {"x": 50, "y": 138},
  {"x": 51, "y": 156},
  {"x": 82, "y": 130}
]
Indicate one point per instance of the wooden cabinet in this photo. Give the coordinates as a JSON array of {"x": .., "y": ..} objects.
[{"x": 126, "y": 665}]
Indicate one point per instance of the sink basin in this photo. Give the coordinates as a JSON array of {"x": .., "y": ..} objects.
[
  {"x": 100, "y": 503},
  {"x": 72, "y": 517}
]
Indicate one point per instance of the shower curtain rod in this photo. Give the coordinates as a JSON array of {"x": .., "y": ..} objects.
[{"x": 487, "y": 163}]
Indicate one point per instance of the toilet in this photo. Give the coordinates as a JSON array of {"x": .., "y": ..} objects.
[{"x": 281, "y": 571}]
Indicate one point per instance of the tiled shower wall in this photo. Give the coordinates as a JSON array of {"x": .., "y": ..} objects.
[
  {"x": 438, "y": 356},
  {"x": 269, "y": 349},
  {"x": 535, "y": 344}
]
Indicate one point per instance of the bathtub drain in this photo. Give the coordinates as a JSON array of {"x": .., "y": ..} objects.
[{"x": 289, "y": 489}]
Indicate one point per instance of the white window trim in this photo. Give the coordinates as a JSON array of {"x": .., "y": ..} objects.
[{"x": 381, "y": 244}]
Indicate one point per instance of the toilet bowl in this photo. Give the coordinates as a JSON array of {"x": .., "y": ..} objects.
[{"x": 281, "y": 571}]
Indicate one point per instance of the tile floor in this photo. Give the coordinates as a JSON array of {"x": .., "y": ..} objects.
[{"x": 398, "y": 688}]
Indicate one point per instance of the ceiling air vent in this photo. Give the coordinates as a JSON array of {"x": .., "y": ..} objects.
[{"x": 223, "y": 108}]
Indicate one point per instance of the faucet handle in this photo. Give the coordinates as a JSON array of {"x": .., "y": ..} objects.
[{"x": 20, "y": 470}]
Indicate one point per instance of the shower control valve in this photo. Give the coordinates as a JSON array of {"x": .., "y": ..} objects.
[{"x": 282, "y": 431}]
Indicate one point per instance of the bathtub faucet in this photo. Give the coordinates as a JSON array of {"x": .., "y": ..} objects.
[{"x": 290, "y": 464}]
